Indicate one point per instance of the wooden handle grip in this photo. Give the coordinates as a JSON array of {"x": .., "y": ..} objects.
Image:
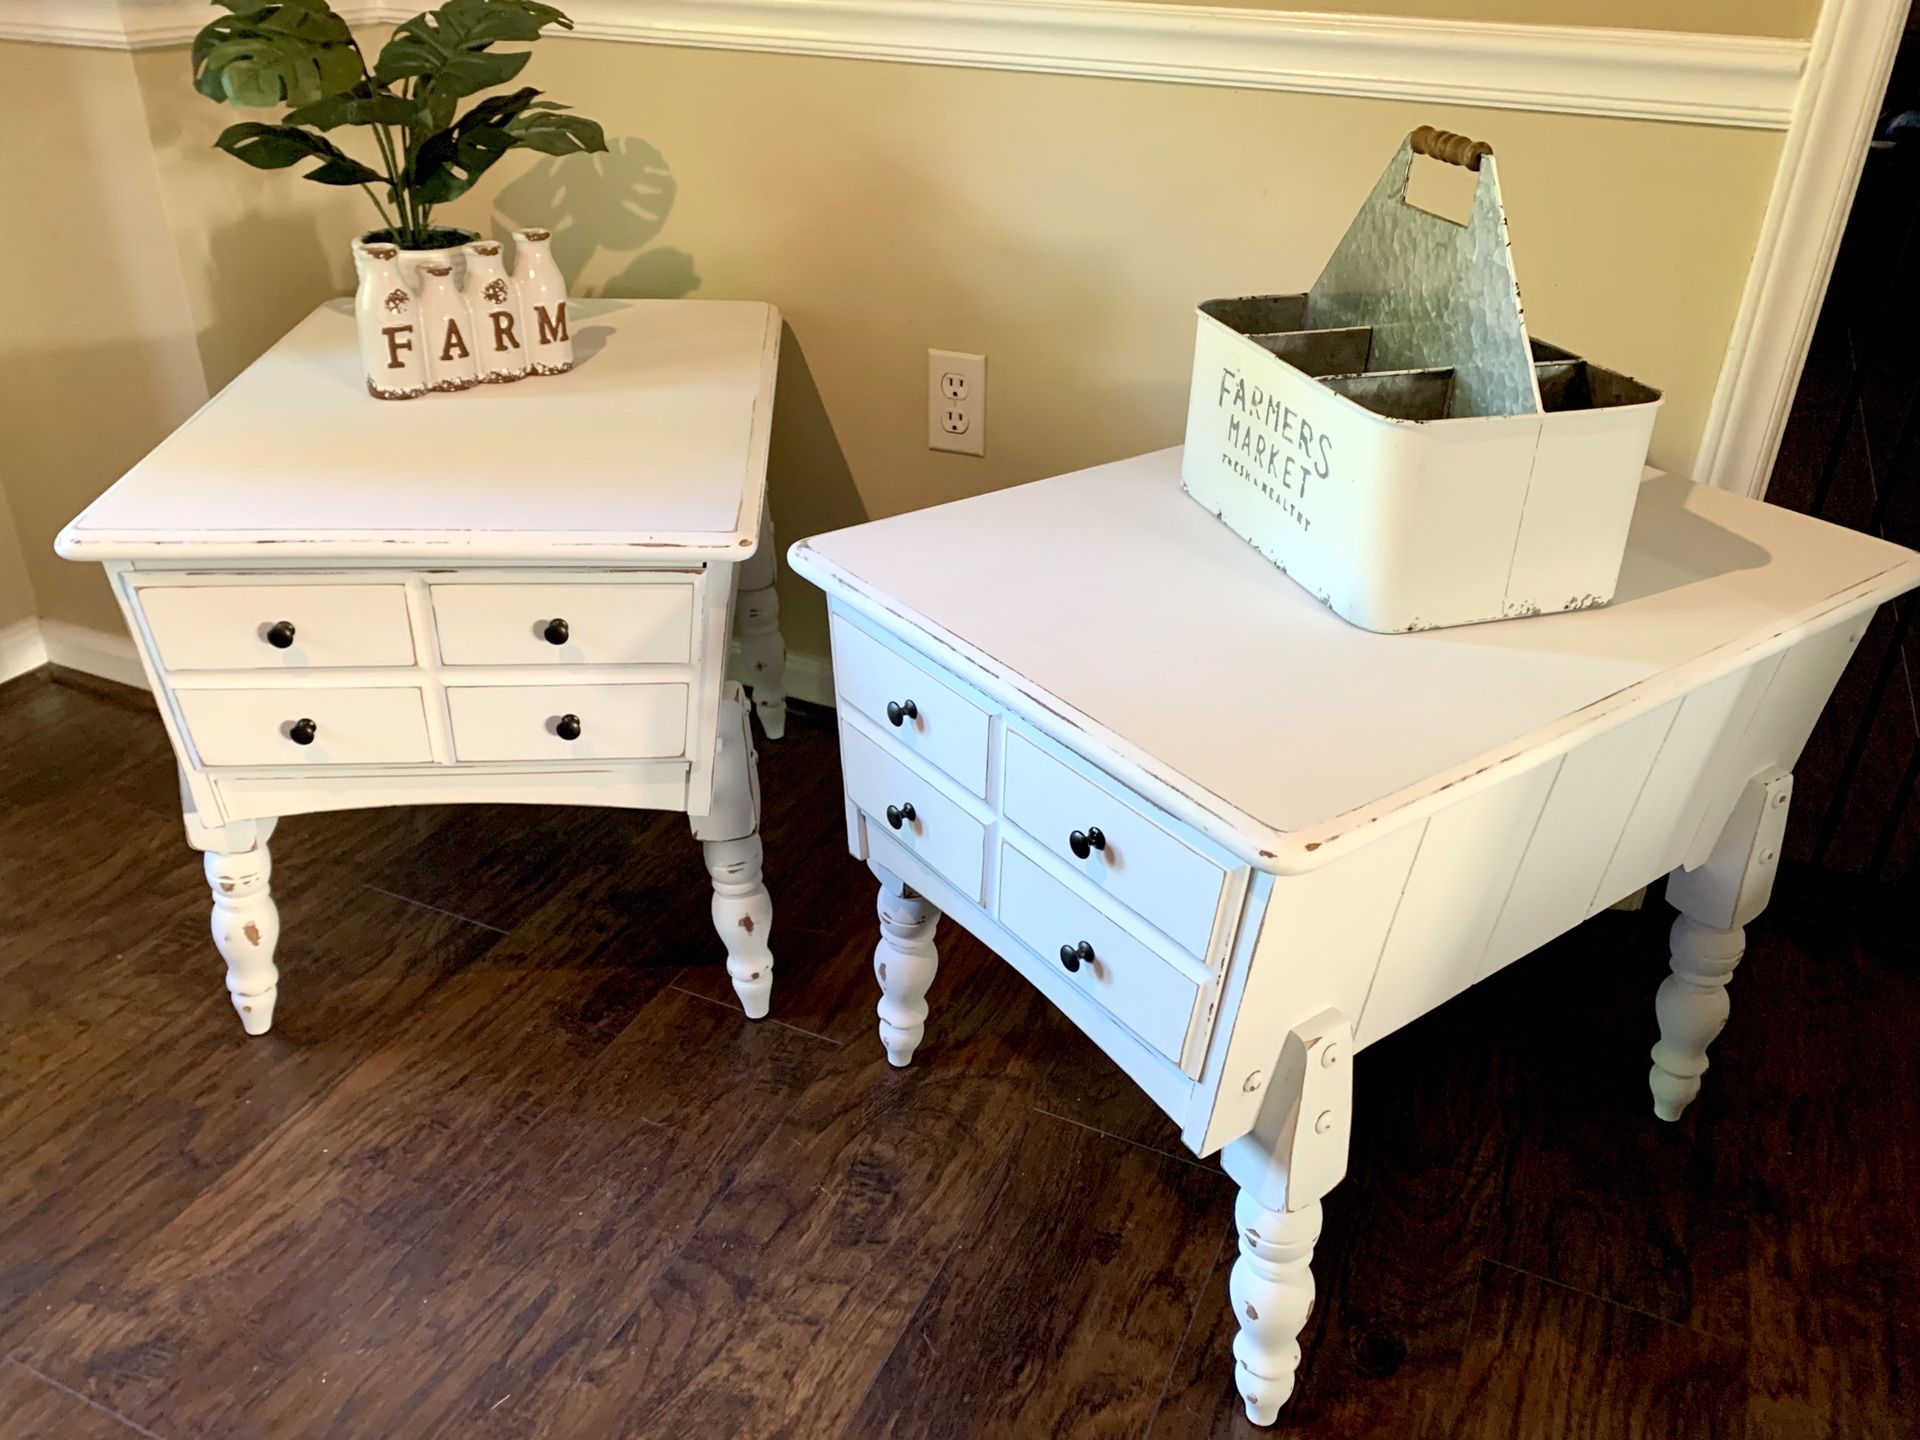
[{"x": 1445, "y": 145}]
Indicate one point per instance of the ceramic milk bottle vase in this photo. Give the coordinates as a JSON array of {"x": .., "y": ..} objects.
[
  {"x": 493, "y": 303},
  {"x": 448, "y": 328},
  {"x": 392, "y": 348},
  {"x": 543, "y": 302}
]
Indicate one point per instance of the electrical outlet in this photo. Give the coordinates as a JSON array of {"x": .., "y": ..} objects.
[{"x": 957, "y": 402}]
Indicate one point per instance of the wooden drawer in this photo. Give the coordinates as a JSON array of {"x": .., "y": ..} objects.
[
  {"x": 941, "y": 833},
  {"x": 526, "y": 722},
  {"x": 385, "y": 726},
  {"x": 935, "y": 720},
  {"x": 632, "y": 624},
  {"x": 1145, "y": 864},
  {"x": 228, "y": 627},
  {"x": 1142, "y": 990}
]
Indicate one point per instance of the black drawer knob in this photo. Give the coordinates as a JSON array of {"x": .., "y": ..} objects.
[
  {"x": 1074, "y": 956},
  {"x": 557, "y": 632},
  {"x": 901, "y": 711},
  {"x": 302, "y": 731},
  {"x": 1084, "y": 842},
  {"x": 280, "y": 634},
  {"x": 898, "y": 815},
  {"x": 567, "y": 727}
]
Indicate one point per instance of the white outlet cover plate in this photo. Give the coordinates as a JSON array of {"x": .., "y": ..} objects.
[{"x": 957, "y": 422}]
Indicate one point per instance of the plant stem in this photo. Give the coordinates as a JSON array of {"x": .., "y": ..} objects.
[{"x": 377, "y": 205}]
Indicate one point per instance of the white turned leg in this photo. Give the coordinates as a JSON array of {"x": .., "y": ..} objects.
[
  {"x": 763, "y": 652},
  {"x": 1272, "y": 1295},
  {"x": 1295, "y": 1154},
  {"x": 246, "y": 922},
  {"x": 729, "y": 834},
  {"x": 1716, "y": 901},
  {"x": 904, "y": 962},
  {"x": 246, "y": 928},
  {"x": 1692, "y": 1007}
]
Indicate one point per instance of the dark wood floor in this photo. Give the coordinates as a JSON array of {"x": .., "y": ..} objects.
[{"x": 512, "y": 1164}]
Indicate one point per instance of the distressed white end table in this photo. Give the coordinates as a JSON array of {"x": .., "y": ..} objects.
[
  {"x": 520, "y": 593},
  {"x": 1236, "y": 840}
]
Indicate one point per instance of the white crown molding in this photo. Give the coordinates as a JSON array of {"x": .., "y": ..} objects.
[
  {"x": 1826, "y": 147},
  {"x": 1727, "y": 80}
]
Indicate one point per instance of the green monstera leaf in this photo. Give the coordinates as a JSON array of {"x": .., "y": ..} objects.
[
  {"x": 292, "y": 52},
  {"x": 445, "y": 51},
  {"x": 301, "y": 54},
  {"x": 275, "y": 147}
]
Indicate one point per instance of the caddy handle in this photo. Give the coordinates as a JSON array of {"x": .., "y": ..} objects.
[{"x": 1446, "y": 146}]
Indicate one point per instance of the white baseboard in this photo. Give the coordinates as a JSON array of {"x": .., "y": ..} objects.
[
  {"x": 22, "y": 648},
  {"x": 809, "y": 677},
  {"x": 93, "y": 652}
]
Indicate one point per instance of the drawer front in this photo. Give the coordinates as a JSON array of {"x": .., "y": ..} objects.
[
  {"x": 1138, "y": 988},
  {"x": 637, "y": 624},
  {"x": 941, "y": 833},
  {"x": 235, "y": 627},
  {"x": 1144, "y": 864},
  {"x": 528, "y": 722},
  {"x": 944, "y": 727},
  {"x": 385, "y": 726}
]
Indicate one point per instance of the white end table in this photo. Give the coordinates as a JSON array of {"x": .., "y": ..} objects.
[
  {"x": 1236, "y": 840},
  {"x": 520, "y": 593}
]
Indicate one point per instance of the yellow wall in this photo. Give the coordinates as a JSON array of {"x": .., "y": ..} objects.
[
  {"x": 1068, "y": 240},
  {"x": 97, "y": 348},
  {"x": 1790, "y": 18}
]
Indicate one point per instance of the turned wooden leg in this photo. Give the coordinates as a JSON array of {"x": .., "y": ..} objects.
[
  {"x": 763, "y": 652},
  {"x": 1296, "y": 1153},
  {"x": 1716, "y": 901},
  {"x": 904, "y": 962},
  {"x": 246, "y": 922},
  {"x": 1272, "y": 1295},
  {"x": 729, "y": 834},
  {"x": 1692, "y": 1007}
]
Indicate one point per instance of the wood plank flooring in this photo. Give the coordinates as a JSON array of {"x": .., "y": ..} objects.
[{"x": 512, "y": 1163}]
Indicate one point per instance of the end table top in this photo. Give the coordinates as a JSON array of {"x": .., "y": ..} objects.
[
  {"x": 1136, "y": 625},
  {"x": 656, "y": 440}
]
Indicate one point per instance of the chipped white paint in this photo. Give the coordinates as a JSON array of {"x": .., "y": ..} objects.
[
  {"x": 308, "y": 654},
  {"x": 729, "y": 834},
  {"x": 1313, "y": 834}
]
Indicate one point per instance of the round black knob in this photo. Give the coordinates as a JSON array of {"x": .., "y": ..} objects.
[
  {"x": 567, "y": 727},
  {"x": 898, "y": 815},
  {"x": 280, "y": 634},
  {"x": 302, "y": 731},
  {"x": 1084, "y": 842},
  {"x": 556, "y": 632},
  {"x": 1074, "y": 956},
  {"x": 901, "y": 711}
]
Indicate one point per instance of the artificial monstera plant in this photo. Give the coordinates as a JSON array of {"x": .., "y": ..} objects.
[{"x": 299, "y": 53}]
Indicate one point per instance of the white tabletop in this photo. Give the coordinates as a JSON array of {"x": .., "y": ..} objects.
[
  {"x": 1145, "y": 631},
  {"x": 656, "y": 439}
]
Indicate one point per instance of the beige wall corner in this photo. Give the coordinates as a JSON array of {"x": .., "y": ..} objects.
[
  {"x": 98, "y": 346},
  {"x": 16, "y": 588}
]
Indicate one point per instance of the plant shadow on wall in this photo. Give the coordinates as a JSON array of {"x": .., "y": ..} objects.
[{"x": 616, "y": 202}]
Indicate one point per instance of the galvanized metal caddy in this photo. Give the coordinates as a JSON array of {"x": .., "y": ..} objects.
[{"x": 1394, "y": 441}]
